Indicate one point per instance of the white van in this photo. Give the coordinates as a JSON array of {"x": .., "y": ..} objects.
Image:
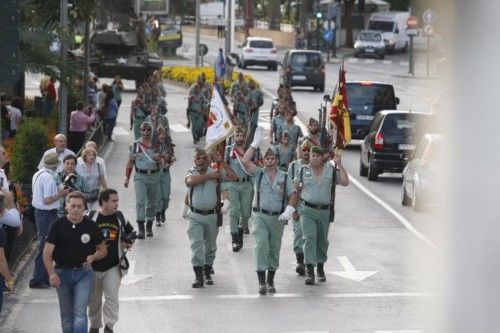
[{"x": 393, "y": 27}]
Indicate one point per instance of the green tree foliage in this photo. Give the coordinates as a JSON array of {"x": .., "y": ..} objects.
[{"x": 31, "y": 142}]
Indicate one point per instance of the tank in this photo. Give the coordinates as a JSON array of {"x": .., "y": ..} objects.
[{"x": 120, "y": 53}]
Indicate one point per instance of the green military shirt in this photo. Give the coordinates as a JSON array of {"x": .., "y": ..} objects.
[
  {"x": 142, "y": 156},
  {"x": 204, "y": 195},
  {"x": 276, "y": 123},
  {"x": 285, "y": 156},
  {"x": 271, "y": 196},
  {"x": 162, "y": 121},
  {"x": 293, "y": 171},
  {"x": 312, "y": 191},
  {"x": 294, "y": 131}
]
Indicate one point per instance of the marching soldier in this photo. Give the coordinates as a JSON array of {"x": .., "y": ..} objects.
[
  {"x": 241, "y": 106},
  {"x": 270, "y": 211},
  {"x": 294, "y": 130},
  {"x": 203, "y": 187},
  {"x": 163, "y": 197},
  {"x": 196, "y": 107},
  {"x": 315, "y": 184},
  {"x": 276, "y": 121},
  {"x": 293, "y": 170},
  {"x": 313, "y": 134},
  {"x": 236, "y": 86},
  {"x": 137, "y": 114},
  {"x": 256, "y": 101},
  {"x": 146, "y": 160},
  {"x": 284, "y": 152}
]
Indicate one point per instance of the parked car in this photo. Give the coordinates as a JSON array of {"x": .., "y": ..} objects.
[
  {"x": 392, "y": 135},
  {"x": 303, "y": 68},
  {"x": 365, "y": 99},
  {"x": 369, "y": 43},
  {"x": 259, "y": 51},
  {"x": 423, "y": 175}
]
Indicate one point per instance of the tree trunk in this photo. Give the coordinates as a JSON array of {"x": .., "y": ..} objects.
[
  {"x": 86, "y": 63},
  {"x": 348, "y": 4},
  {"x": 274, "y": 16}
]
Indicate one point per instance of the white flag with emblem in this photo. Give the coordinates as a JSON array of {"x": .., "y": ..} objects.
[{"x": 219, "y": 125}]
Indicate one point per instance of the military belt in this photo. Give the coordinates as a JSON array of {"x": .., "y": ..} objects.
[
  {"x": 201, "y": 211},
  {"x": 243, "y": 180},
  {"x": 263, "y": 211},
  {"x": 163, "y": 170},
  {"x": 146, "y": 172},
  {"x": 316, "y": 206}
]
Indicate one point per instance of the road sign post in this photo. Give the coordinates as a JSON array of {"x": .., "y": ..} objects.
[
  {"x": 327, "y": 37},
  {"x": 428, "y": 30},
  {"x": 411, "y": 31}
]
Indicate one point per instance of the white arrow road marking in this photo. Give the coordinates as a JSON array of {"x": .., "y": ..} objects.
[
  {"x": 350, "y": 272},
  {"x": 131, "y": 277}
]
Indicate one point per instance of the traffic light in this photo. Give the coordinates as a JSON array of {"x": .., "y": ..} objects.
[
  {"x": 9, "y": 39},
  {"x": 319, "y": 15}
]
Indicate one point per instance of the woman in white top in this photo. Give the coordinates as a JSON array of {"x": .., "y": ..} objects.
[{"x": 93, "y": 172}]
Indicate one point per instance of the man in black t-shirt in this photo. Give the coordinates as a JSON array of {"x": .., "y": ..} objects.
[
  {"x": 74, "y": 242},
  {"x": 109, "y": 271}
]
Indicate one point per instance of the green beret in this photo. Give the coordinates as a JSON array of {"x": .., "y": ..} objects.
[{"x": 317, "y": 150}]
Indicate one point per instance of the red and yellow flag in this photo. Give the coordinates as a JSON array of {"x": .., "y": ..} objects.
[{"x": 339, "y": 115}]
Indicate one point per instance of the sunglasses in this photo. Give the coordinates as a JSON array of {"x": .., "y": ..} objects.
[{"x": 146, "y": 129}]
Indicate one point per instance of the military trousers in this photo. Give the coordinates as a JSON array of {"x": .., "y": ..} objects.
[
  {"x": 202, "y": 232},
  {"x": 197, "y": 124},
  {"x": 315, "y": 225},
  {"x": 163, "y": 196},
  {"x": 240, "y": 196},
  {"x": 146, "y": 189},
  {"x": 268, "y": 232},
  {"x": 298, "y": 242}
]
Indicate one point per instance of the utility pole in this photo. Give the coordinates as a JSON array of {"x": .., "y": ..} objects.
[
  {"x": 197, "y": 38},
  {"x": 229, "y": 19},
  {"x": 63, "y": 91},
  {"x": 86, "y": 69}
]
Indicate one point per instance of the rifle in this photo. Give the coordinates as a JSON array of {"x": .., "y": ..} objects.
[
  {"x": 218, "y": 206},
  {"x": 323, "y": 136}
]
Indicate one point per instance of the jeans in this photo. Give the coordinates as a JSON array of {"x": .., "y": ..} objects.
[
  {"x": 2, "y": 287},
  {"x": 43, "y": 219},
  {"x": 74, "y": 295}
]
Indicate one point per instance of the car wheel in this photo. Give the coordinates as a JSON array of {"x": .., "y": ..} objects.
[
  {"x": 381, "y": 56},
  {"x": 363, "y": 171},
  {"x": 372, "y": 171},
  {"x": 356, "y": 55},
  {"x": 405, "y": 200},
  {"x": 418, "y": 202}
]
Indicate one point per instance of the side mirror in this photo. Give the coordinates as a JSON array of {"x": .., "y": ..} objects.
[{"x": 397, "y": 100}]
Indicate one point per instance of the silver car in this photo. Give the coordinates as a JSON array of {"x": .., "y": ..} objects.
[{"x": 370, "y": 43}]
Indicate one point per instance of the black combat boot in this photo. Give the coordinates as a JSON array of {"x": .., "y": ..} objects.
[
  {"x": 270, "y": 281},
  {"x": 309, "y": 274},
  {"x": 206, "y": 275},
  {"x": 162, "y": 216},
  {"x": 262, "y": 282},
  {"x": 321, "y": 273},
  {"x": 300, "y": 268},
  {"x": 149, "y": 229},
  {"x": 140, "y": 234},
  {"x": 198, "y": 282},
  {"x": 158, "y": 219},
  {"x": 241, "y": 231},
  {"x": 236, "y": 245}
]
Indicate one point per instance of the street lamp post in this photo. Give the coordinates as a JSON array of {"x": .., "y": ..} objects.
[{"x": 63, "y": 92}]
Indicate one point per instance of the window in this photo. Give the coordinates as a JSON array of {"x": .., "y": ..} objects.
[
  {"x": 261, "y": 44},
  {"x": 370, "y": 36},
  {"x": 306, "y": 60},
  {"x": 368, "y": 99},
  {"x": 384, "y": 26}
]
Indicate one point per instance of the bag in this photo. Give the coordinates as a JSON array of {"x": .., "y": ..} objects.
[{"x": 94, "y": 194}]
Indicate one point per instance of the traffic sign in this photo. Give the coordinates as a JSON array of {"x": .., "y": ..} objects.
[
  {"x": 428, "y": 30},
  {"x": 429, "y": 17},
  {"x": 412, "y": 22},
  {"x": 328, "y": 35},
  {"x": 203, "y": 50},
  {"x": 412, "y": 32}
]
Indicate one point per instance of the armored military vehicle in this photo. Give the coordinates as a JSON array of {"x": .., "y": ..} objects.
[{"x": 121, "y": 53}]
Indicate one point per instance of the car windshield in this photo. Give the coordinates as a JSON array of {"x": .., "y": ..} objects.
[
  {"x": 385, "y": 26},
  {"x": 261, "y": 44},
  {"x": 368, "y": 99},
  {"x": 306, "y": 60},
  {"x": 404, "y": 123},
  {"x": 370, "y": 36}
]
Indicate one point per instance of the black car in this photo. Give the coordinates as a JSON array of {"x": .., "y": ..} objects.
[
  {"x": 392, "y": 136},
  {"x": 303, "y": 68}
]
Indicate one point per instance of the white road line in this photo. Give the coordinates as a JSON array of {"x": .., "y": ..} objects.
[
  {"x": 404, "y": 63},
  {"x": 178, "y": 128},
  {"x": 399, "y": 331},
  {"x": 370, "y": 61},
  {"x": 387, "y": 62},
  {"x": 397, "y": 215},
  {"x": 352, "y": 60},
  {"x": 241, "y": 296}
]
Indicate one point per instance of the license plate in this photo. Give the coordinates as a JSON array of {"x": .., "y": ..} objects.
[
  {"x": 299, "y": 77},
  {"x": 364, "y": 117},
  {"x": 370, "y": 50},
  {"x": 406, "y": 147}
]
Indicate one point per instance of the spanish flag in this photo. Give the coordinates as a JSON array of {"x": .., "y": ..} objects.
[{"x": 339, "y": 115}]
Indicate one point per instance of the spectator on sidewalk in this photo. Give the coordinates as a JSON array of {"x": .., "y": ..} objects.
[
  {"x": 94, "y": 174},
  {"x": 49, "y": 98},
  {"x": 118, "y": 89},
  {"x": 70, "y": 179},
  {"x": 15, "y": 115},
  {"x": 79, "y": 122},
  {"x": 60, "y": 149},
  {"x": 111, "y": 113},
  {"x": 98, "y": 159},
  {"x": 108, "y": 272},
  {"x": 74, "y": 242},
  {"x": 46, "y": 202},
  {"x": 5, "y": 275}
]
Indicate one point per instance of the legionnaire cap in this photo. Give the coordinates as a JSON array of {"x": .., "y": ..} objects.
[
  {"x": 313, "y": 121},
  {"x": 51, "y": 160},
  {"x": 317, "y": 150},
  {"x": 271, "y": 151}
]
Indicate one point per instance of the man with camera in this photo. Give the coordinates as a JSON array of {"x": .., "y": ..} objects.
[
  {"x": 119, "y": 236},
  {"x": 70, "y": 180}
]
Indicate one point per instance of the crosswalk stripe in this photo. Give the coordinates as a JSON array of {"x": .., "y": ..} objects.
[{"x": 178, "y": 128}]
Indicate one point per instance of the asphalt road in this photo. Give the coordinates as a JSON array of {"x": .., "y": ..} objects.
[{"x": 381, "y": 257}]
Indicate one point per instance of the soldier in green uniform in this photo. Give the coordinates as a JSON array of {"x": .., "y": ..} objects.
[
  {"x": 276, "y": 121},
  {"x": 237, "y": 85},
  {"x": 196, "y": 107},
  {"x": 315, "y": 184},
  {"x": 240, "y": 191},
  {"x": 241, "y": 106},
  {"x": 271, "y": 198},
  {"x": 137, "y": 114},
  {"x": 284, "y": 152},
  {"x": 293, "y": 129},
  {"x": 201, "y": 181},
  {"x": 163, "y": 197},
  {"x": 256, "y": 101},
  {"x": 146, "y": 158},
  {"x": 293, "y": 171}
]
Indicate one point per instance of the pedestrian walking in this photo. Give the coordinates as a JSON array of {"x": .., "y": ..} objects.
[
  {"x": 46, "y": 203},
  {"x": 269, "y": 207},
  {"x": 94, "y": 175},
  {"x": 74, "y": 242},
  {"x": 79, "y": 122},
  {"x": 110, "y": 115},
  {"x": 98, "y": 159},
  {"x": 118, "y": 235},
  {"x": 15, "y": 115},
  {"x": 118, "y": 89},
  {"x": 60, "y": 149},
  {"x": 315, "y": 185}
]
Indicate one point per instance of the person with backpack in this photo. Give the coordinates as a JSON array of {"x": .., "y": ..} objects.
[{"x": 119, "y": 236}]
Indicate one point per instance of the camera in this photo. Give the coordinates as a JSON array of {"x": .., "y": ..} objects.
[
  {"x": 69, "y": 182},
  {"x": 130, "y": 237}
]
